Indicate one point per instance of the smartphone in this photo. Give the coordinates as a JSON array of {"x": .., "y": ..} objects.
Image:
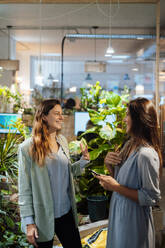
[{"x": 94, "y": 172}]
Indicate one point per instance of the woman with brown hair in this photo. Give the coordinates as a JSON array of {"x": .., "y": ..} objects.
[
  {"x": 46, "y": 188},
  {"x": 136, "y": 170}
]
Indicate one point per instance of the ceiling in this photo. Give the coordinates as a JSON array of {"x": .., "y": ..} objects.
[{"x": 46, "y": 25}]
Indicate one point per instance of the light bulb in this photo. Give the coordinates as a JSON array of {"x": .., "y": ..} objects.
[
  {"x": 39, "y": 79},
  {"x": 110, "y": 50}
]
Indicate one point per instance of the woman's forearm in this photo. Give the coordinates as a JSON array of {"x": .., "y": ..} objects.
[
  {"x": 109, "y": 183},
  {"x": 127, "y": 192}
]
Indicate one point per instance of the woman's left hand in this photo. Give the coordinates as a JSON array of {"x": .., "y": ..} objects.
[
  {"x": 85, "y": 152},
  {"x": 108, "y": 182}
]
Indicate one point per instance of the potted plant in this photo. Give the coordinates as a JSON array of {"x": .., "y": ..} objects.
[
  {"x": 5, "y": 97},
  {"x": 109, "y": 129},
  {"x": 12, "y": 102}
]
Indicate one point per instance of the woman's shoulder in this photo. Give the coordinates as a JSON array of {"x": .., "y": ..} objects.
[
  {"x": 26, "y": 143},
  {"x": 148, "y": 153}
]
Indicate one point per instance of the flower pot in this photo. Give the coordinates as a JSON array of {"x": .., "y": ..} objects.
[{"x": 97, "y": 207}]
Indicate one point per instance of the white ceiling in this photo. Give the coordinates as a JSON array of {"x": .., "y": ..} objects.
[{"x": 60, "y": 19}]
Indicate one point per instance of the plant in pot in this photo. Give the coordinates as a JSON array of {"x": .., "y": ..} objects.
[
  {"x": 12, "y": 102},
  {"x": 109, "y": 130},
  {"x": 5, "y": 97}
]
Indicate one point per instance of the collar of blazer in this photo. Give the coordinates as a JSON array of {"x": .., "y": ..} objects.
[{"x": 64, "y": 144}]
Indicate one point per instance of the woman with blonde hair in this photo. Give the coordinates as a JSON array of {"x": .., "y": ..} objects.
[
  {"x": 136, "y": 170},
  {"x": 46, "y": 189}
]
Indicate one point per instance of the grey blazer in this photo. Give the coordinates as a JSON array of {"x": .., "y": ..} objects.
[{"x": 35, "y": 198}]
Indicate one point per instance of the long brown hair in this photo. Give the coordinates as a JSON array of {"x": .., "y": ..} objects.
[
  {"x": 40, "y": 147},
  {"x": 144, "y": 126}
]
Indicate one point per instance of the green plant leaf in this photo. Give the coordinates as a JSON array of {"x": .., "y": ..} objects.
[
  {"x": 83, "y": 143},
  {"x": 120, "y": 130},
  {"x": 91, "y": 130},
  {"x": 113, "y": 99},
  {"x": 2, "y": 212},
  {"x": 107, "y": 132},
  {"x": 95, "y": 153},
  {"x": 9, "y": 221},
  {"x": 74, "y": 147}
]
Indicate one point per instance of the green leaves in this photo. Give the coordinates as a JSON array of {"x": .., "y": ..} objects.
[
  {"x": 107, "y": 132},
  {"x": 113, "y": 99},
  {"x": 8, "y": 155},
  {"x": 107, "y": 111},
  {"x": 74, "y": 146},
  {"x": 10, "y": 223},
  {"x": 96, "y": 152},
  {"x": 90, "y": 96},
  {"x": 91, "y": 130},
  {"x": 20, "y": 126}
]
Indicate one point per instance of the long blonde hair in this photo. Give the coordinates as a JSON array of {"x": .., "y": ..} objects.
[{"x": 40, "y": 147}]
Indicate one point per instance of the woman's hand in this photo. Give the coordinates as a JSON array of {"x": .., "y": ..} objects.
[
  {"x": 112, "y": 158},
  {"x": 85, "y": 152},
  {"x": 108, "y": 182},
  {"x": 32, "y": 234}
]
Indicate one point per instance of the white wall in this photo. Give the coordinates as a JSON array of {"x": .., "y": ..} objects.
[
  {"x": 24, "y": 69},
  {"x": 5, "y": 53}
]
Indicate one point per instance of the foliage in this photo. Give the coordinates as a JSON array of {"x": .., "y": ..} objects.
[
  {"x": 107, "y": 111},
  {"x": 17, "y": 97},
  {"x": 20, "y": 126},
  {"x": 8, "y": 150},
  {"x": 6, "y": 94},
  {"x": 10, "y": 226},
  {"x": 10, "y": 231},
  {"x": 8, "y": 97},
  {"x": 11, "y": 235},
  {"x": 8, "y": 155},
  {"x": 28, "y": 111},
  {"x": 74, "y": 146},
  {"x": 90, "y": 96}
]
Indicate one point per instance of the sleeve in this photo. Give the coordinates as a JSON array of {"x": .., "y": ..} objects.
[
  {"x": 149, "y": 193},
  {"x": 28, "y": 220},
  {"x": 78, "y": 166},
  {"x": 24, "y": 184}
]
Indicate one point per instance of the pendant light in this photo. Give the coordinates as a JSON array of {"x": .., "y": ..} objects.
[
  {"x": 110, "y": 49},
  {"x": 39, "y": 78}
]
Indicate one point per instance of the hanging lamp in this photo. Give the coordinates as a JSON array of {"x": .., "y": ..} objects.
[
  {"x": 39, "y": 78},
  {"x": 110, "y": 49}
]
